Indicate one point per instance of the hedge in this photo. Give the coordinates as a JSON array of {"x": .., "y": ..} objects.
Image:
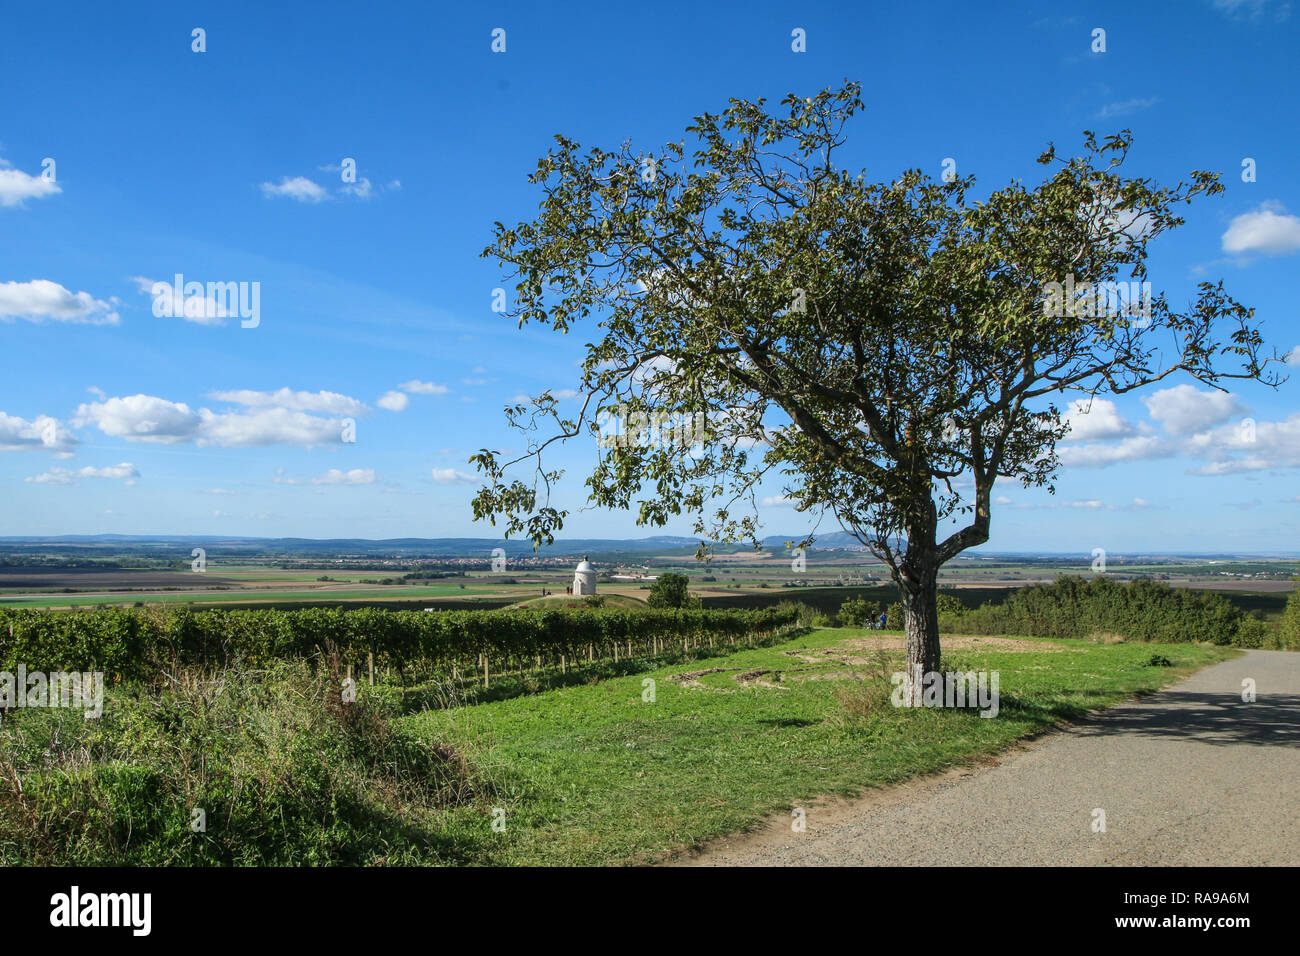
[{"x": 1075, "y": 606}]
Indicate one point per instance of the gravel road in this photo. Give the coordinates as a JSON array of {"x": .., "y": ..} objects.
[{"x": 1189, "y": 776}]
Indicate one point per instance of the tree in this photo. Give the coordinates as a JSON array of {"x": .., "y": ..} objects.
[
  {"x": 891, "y": 349},
  {"x": 1289, "y": 627},
  {"x": 671, "y": 590}
]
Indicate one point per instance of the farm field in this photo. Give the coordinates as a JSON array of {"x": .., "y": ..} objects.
[{"x": 739, "y": 578}]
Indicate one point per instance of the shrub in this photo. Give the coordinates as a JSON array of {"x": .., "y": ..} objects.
[
  {"x": 1075, "y": 606},
  {"x": 859, "y": 612},
  {"x": 802, "y": 614},
  {"x": 1252, "y": 631},
  {"x": 1289, "y": 629},
  {"x": 670, "y": 590},
  {"x": 894, "y": 617},
  {"x": 950, "y": 606}
]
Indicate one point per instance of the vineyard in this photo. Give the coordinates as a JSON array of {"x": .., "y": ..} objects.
[{"x": 130, "y": 643}]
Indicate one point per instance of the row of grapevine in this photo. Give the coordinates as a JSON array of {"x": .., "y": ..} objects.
[{"x": 130, "y": 643}]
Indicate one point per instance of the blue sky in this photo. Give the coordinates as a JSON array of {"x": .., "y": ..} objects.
[{"x": 226, "y": 165}]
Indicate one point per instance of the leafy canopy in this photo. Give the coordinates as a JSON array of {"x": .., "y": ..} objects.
[{"x": 884, "y": 347}]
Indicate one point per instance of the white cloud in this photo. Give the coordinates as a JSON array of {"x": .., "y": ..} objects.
[
  {"x": 1095, "y": 420},
  {"x": 267, "y": 426},
  {"x": 416, "y": 387},
  {"x": 363, "y": 188},
  {"x": 360, "y": 189},
  {"x": 55, "y": 476},
  {"x": 355, "y": 476},
  {"x": 299, "y": 187},
  {"x": 147, "y": 418},
  {"x": 450, "y": 476},
  {"x": 1098, "y": 455},
  {"x": 125, "y": 472},
  {"x": 43, "y": 432},
  {"x": 1207, "y": 425},
  {"x": 776, "y": 501},
  {"x": 200, "y": 309},
  {"x": 41, "y": 299},
  {"x": 305, "y": 190},
  {"x": 329, "y": 402},
  {"x": 17, "y": 186},
  {"x": 1253, "y": 10},
  {"x": 1267, "y": 230},
  {"x": 1127, "y": 107},
  {"x": 1183, "y": 410},
  {"x": 1248, "y": 446},
  {"x": 1293, "y": 359},
  {"x": 394, "y": 401},
  {"x": 1233, "y": 466}
]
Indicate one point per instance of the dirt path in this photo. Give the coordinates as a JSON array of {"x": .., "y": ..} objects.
[{"x": 1188, "y": 776}]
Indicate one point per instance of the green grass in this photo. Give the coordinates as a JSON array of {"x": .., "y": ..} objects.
[{"x": 598, "y": 776}]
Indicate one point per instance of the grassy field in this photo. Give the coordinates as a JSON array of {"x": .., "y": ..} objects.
[{"x": 597, "y": 775}]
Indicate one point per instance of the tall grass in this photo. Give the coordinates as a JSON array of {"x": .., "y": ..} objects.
[{"x": 284, "y": 771}]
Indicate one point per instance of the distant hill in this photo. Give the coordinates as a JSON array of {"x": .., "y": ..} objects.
[
  {"x": 449, "y": 547},
  {"x": 181, "y": 544}
]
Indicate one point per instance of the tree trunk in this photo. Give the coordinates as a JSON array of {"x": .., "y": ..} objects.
[{"x": 921, "y": 620}]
